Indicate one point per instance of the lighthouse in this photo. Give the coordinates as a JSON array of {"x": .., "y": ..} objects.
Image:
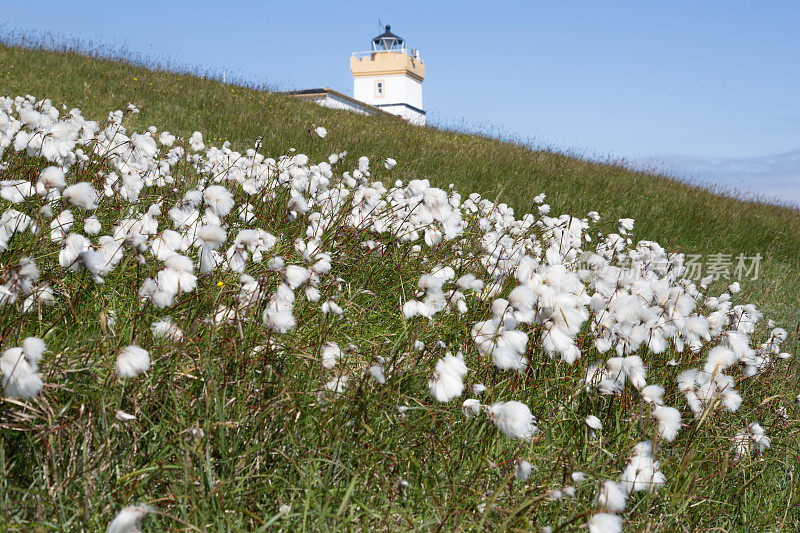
[{"x": 389, "y": 76}]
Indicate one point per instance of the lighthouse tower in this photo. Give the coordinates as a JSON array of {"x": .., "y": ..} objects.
[{"x": 389, "y": 77}]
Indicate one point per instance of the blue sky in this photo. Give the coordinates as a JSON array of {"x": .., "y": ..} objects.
[{"x": 709, "y": 89}]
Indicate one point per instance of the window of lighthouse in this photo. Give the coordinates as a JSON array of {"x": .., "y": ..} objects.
[{"x": 379, "y": 88}]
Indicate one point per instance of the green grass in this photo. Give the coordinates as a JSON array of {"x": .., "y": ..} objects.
[
  {"x": 66, "y": 464},
  {"x": 677, "y": 215}
]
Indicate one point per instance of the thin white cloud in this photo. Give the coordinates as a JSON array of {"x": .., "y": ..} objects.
[{"x": 775, "y": 177}]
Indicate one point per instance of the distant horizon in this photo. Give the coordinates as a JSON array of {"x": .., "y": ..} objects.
[{"x": 707, "y": 92}]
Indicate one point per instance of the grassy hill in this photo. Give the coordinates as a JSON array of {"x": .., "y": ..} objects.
[
  {"x": 231, "y": 425},
  {"x": 677, "y": 215}
]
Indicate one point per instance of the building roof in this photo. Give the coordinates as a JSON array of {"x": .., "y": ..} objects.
[
  {"x": 313, "y": 94},
  {"x": 403, "y": 104}
]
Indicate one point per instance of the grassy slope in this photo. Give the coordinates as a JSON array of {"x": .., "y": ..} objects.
[
  {"x": 324, "y": 461},
  {"x": 678, "y": 216}
]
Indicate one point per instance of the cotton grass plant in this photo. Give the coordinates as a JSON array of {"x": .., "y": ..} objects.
[{"x": 256, "y": 340}]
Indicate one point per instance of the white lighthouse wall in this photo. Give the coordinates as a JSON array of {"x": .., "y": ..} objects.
[{"x": 398, "y": 89}]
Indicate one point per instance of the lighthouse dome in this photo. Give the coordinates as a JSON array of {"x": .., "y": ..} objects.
[{"x": 388, "y": 41}]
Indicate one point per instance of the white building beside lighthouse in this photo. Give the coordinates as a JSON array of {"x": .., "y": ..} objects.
[
  {"x": 389, "y": 77},
  {"x": 386, "y": 79}
]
